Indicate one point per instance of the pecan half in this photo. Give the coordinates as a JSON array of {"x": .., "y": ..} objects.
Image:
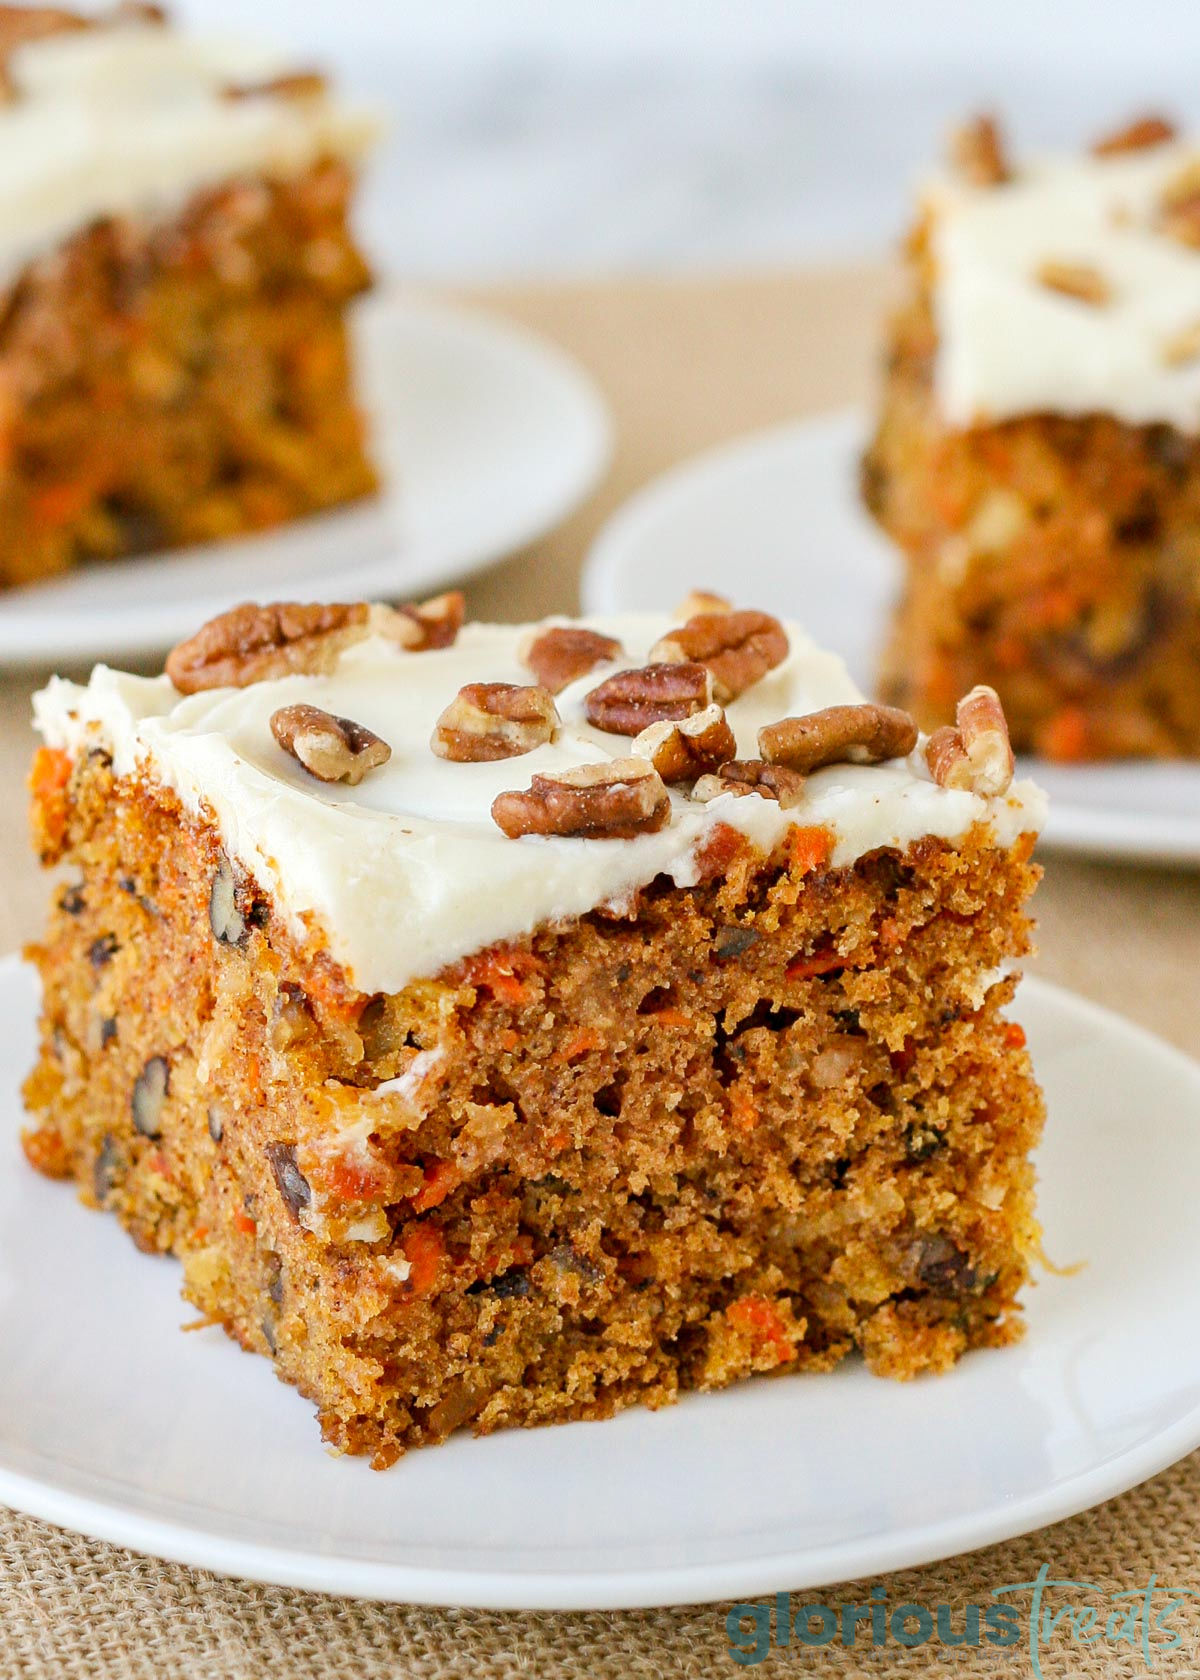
[
  {"x": 561, "y": 654},
  {"x": 1076, "y": 280},
  {"x": 753, "y": 775},
  {"x": 1181, "y": 205},
  {"x": 614, "y": 800},
  {"x": 977, "y": 153},
  {"x": 984, "y": 731},
  {"x": 253, "y": 643},
  {"x": 1135, "y": 137},
  {"x": 699, "y": 601},
  {"x": 737, "y": 648},
  {"x": 297, "y": 84},
  {"x": 682, "y": 751},
  {"x": 1183, "y": 346},
  {"x": 865, "y": 734},
  {"x": 487, "y": 721},
  {"x": 976, "y": 756},
  {"x": 333, "y": 749},
  {"x": 627, "y": 703}
]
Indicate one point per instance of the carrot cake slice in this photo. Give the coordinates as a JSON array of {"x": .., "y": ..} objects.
[
  {"x": 175, "y": 267},
  {"x": 1037, "y": 457},
  {"x": 512, "y": 1024}
]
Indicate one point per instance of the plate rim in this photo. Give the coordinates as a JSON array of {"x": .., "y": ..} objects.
[
  {"x": 24, "y": 647},
  {"x": 1081, "y": 828},
  {"x": 197, "y": 1545}
]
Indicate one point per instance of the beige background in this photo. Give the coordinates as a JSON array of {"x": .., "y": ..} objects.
[{"x": 684, "y": 366}]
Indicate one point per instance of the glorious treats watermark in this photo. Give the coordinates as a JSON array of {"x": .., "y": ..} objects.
[{"x": 1026, "y": 1617}]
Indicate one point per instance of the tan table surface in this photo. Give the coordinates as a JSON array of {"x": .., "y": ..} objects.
[{"x": 684, "y": 365}]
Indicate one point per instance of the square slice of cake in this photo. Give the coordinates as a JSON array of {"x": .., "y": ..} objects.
[
  {"x": 512, "y": 1024},
  {"x": 1037, "y": 456},
  {"x": 176, "y": 265}
]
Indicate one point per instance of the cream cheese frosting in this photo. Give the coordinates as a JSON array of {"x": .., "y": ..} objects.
[
  {"x": 1009, "y": 345},
  {"x": 132, "y": 119},
  {"x": 407, "y": 872}
]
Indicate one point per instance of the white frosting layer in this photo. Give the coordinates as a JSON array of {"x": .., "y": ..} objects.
[
  {"x": 130, "y": 120},
  {"x": 407, "y": 872},
  {"x": 1009, "y": 345}
]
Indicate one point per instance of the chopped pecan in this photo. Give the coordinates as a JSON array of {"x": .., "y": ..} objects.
[
  {"x": 613, "y": 800},
  {"x": 977, "y": 152},
  {"x": 562, "y": 653},
  {"x": 333, "y": 749},
  {"x": 1135, "y": 137},
  {"x": 682, "y": 751},
  {"x": 1075, "y": 280},
  {"x": 865, "y": 734},
  {"x": 487, "y": 721},
  {"x": 423, "y": 625},
  {"x": 1181, "y": 205},
  {"x": 627, "y": 703},
  {"x": 297, "y": 84},
  {"x": 1182, "y": 346},
  {"x": 699, "y": 601},
  {"x": 977, "y": 755},
  {"x": 253, "y": 643},
  {"x": 753, "y": 775},
  {"x": 738, "y": 648}
]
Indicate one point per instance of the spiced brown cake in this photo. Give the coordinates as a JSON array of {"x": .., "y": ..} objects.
[
  {"x": 506, "y": 1025},
  {"x": 176, "y": 264},
  {"x": 1037, "y": 456}
]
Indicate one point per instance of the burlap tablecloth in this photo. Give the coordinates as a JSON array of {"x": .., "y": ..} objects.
[{"x": 684, "y": 365}]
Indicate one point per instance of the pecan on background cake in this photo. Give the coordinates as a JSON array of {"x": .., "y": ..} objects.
[
  {"x": 1037, "y": 456},
  {"x": 509, "y": 1025}
]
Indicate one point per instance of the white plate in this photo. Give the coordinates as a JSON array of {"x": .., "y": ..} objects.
[
  {"x": 487, "y": 436},
  {"x": 113, "y": 1423},
  {"x": 775, "y": 520}
]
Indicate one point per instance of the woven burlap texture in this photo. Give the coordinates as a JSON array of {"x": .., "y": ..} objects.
[{"x": 75, "y": 1609}]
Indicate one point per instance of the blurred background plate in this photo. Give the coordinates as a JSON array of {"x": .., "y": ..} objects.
[
  {"x": 487, "y": 437},
  {"x": 774, "y": 520}
]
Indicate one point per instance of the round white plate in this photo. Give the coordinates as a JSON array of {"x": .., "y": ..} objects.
[
  {"x": 775, "y": 521},
  {"x": 113, "y": 1423},
  {"x": 486, "y": 436}
]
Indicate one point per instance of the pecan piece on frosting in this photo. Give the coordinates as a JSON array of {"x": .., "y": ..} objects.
[
  {"x": 333, "y": 749},
  {"x": 627, "y": 703},
  {"x": 977, "y": 755},
  {"x": 562, "y": 653},
  {"x": 254, "y": 643},
  {"x": 737, "y": 648},
  {"x": 865, "y": 734},
  {"x": 423, "y": 625},
  {"x": 1181, "y": 205},
  {"x": 1075, "y": 280},
  {"x": 977, "y": 152},
  {"x": 614, "y": 800},
  {"x": 683, "y": 751},
  {"x": 1135, "y": 137},
  {"x": 486, "y": 721},
  {"x": 296, "y": 84},
  {"x": 753, "y": 775},
  {"x": 699, "y": 601}
]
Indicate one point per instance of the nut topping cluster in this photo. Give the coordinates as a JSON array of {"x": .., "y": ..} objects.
[
  {"x": 486, "y": 721},
  {"x": 1076, "y": 280},
  {"x": 1135, "y": 137},
  {"x": 977, "y": 755},
  {"x": 632, "y": 700},
  {"x": 332, "y": 749},
  {"x": 253, "y": 643},
  {"x": 615, "y": 800},
  {"x": 753, "y": 775},
  {"x": 738, "y": 649}
]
